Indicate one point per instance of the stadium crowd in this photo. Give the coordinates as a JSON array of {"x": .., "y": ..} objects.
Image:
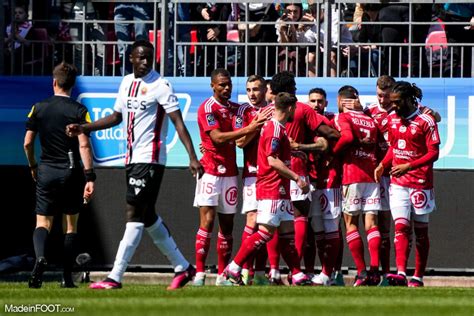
[{"x": 280, "y": 36}]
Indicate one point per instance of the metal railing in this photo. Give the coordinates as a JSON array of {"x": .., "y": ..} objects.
[{"x": 179, "y": 55}]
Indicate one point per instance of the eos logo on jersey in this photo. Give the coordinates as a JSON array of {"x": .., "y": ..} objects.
[
  {"x": 109, "y": 145},
  {"x": 134, "y": 104}
]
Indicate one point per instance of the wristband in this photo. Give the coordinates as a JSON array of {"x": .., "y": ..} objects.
[{"x": 90, "y": 175}]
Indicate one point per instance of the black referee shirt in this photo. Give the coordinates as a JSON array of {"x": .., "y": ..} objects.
[{"x": 49, "y": 119}]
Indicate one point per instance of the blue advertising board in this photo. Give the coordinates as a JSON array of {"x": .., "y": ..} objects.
[{"x": 452, "y": 98}]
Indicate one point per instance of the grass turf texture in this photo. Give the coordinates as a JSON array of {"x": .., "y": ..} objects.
[{"x": 155, "y": 300}]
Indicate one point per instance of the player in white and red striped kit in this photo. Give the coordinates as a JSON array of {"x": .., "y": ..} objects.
[
  {"x": 358, "y": 146},
  {"x": 275, "y": 210},
  {"x": 414, "y": 147}
]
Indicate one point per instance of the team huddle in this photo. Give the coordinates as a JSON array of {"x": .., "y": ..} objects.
[{"x": 304, "y": 170}]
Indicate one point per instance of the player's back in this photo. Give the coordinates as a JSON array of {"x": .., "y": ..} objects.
[
  {"x": 359, "y": 159},
  {"x": 273, "y": 142}
]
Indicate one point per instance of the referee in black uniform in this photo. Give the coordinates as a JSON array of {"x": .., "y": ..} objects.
[{"x": 62, "y": 185}]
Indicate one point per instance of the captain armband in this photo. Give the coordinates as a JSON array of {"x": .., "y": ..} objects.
[{"x": 90, "y": 175}]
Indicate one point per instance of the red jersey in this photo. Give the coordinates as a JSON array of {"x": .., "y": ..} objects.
[
  {"x": 244, "y": 116},
  {"x": 273, "y": 142},
  {"x": 326, "y": 170},
  {"x": 411, "y": 139},
  {"x": 358, "y": 158},
  {"x": 380, "y": 116},
  {"x": 305, "y": 122},
  {"x": 218, "y": 160}
]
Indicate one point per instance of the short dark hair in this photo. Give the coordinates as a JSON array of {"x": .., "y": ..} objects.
[
  {"x": 283, "y": 82},
  {"x": 219, "y": 72},
  {"x": 253, "y": 78},
  {"x": 65, "y": 75},
  {"x": 348, "y": 92},
  {"x": 320, "y": 91},
  {"x": 385, "y": 82},
  {"x": 284, "y": 100},
  {"x": 141, "y": 43}
]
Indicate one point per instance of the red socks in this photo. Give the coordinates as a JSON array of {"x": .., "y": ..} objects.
[
  {"x": 422, "y": 248},
  {"x": 356, "y": 246},
  {"x": 385, "y": 252},
  {"x": 251, "y": 245},
  {"x": 301, "y": 225},
  {"x": 203, "y": 240},
  {"x": 401, "y": 243},
  {"x": 288, "y": 252},
  {"x": 224, "y": 251},
  {"x": 373, "y": 241},
  {"x": 332, "y": 242},
  {"x": 273, "y": 248}
]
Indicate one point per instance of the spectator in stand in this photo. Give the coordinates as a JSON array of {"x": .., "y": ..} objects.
[
  {"x": 368, "y": 33},
  {"x": 212, "y": 57},
  {"x": 17, "y": 39},
  {"x": 397, "y": 32},
  {"x": 258, "y": 33},
  {"x": 286, "y": 32},
  {"x": 339, "y": 34},
  {"x": 139, "y": 13},
  {"x": 462, "y": 12}
]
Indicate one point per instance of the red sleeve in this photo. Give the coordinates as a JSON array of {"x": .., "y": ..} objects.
[
  {"x": 346, "y": 139},
  {"x": 432, "y": 141},
  {"x": 430, "y": 157},
  {"x": 209, "y": 120},
  {"x": 346, "y": 135},
  {"x": 387, "y": 160}
]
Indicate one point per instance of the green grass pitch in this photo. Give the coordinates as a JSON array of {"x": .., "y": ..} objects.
[{"x": 210, "y": 300}]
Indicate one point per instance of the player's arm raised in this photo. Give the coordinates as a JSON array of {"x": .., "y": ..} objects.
[
  {"x": 219, "y": 137},
  {"x": 110, "y": 120}
]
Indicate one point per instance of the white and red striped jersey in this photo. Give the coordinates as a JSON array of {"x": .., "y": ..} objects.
[
  {"x": 217, "y": 160},
  {"x": 273, "y": 142},
  {"x": 144, "y": 103},
  {"x": 410, "y": 139}
]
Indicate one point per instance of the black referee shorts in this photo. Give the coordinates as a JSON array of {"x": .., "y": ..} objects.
[
  {"x": 59, "y": 190},
  {"x": 143, "y": 183}
]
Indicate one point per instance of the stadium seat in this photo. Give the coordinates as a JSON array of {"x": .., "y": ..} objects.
[
  {"x": 436, "y": 40},
  {"x": 233, "y": 36}
]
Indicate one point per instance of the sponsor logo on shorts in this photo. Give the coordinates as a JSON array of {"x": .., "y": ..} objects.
[
  {"x": 419, "y": 199},
  {"x": 323, "y": 201},
  {"x": 231, "y": 196},
  {"x": 364, "y": 201},
  {"x": 138, "y": 184}
]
